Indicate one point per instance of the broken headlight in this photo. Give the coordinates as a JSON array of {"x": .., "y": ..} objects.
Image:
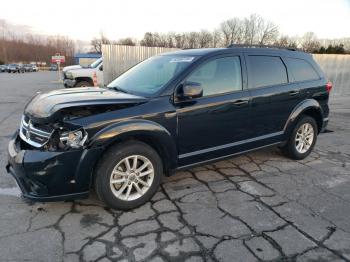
[{"x": 73, "y": 139}]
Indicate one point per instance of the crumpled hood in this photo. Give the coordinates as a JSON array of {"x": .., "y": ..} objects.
[{"x": 45, "y": 105}]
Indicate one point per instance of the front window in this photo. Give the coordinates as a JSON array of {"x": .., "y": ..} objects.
[
  {"x": 218, "y": 76},
  {"x": 96, "y": 63},
  {"x": 149, "y": 76}
]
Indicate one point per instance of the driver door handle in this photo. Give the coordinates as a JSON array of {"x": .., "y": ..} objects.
[
  {"x": 240, "y": 102},
  {"x": 294, "y": 92}
]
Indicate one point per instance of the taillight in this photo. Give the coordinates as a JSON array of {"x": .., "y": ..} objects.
[{"x": 329, "y": 87}]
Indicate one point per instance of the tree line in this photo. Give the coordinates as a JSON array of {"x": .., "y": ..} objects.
[
  {"x": 18, "y": 44},
  {"x": 26, "y": 51},
  {"x": 252, "y": 30}
]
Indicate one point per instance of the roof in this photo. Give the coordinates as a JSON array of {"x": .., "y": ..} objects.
[
  {"x": 87, "y": 55},
  {"x": 250, "y": 49},
  {"x": 195, "y": 52}
]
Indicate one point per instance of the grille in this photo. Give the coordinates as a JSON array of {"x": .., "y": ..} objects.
[{"x": 34, "y": 134}]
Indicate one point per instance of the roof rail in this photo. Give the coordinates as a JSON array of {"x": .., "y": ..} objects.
[{"x": 263, "y": 46}]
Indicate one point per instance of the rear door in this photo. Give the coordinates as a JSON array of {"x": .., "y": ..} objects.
[{"x": 273, "y": 96}]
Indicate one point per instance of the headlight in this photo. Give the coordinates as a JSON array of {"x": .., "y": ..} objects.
[
  {"x": 74, "y": 139},
  {"x": 69, "y": 75}
]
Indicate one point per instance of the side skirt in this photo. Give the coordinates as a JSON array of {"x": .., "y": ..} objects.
[{"x": 224, "y": 157}]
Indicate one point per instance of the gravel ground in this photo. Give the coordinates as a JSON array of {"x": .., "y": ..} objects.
[{"x": 259, "y": 206}]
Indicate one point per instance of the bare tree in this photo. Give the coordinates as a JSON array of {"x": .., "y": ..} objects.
[
  {"x": 268, "y": 33},
  {"x": 286, "y": 41},
  {"x": 217, "y": 38},
  {"x": 97, "y": 43},
  {"x": 257, "y": 30},
  {"x": 180, "y": 40},
  {"x": 205, "y": 39},
  {"x": 232, "y": 31},
  {"x": 148, "y": 39},
  {"x": 126, "y": 41},
  {"x": 309, "y": 42}
]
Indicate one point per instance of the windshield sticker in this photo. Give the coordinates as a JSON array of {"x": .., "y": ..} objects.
[{"x": 186, "y": 59}]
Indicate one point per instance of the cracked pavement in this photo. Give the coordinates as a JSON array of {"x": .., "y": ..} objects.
[{"x": 256, "y": 207}]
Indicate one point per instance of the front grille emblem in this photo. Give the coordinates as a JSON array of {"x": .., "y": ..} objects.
[{"x": 33, "y": 135}]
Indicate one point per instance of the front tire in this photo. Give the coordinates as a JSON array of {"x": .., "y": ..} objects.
[
  {"x": 128, "y": 175},
  {"x": 302, "y": 139},
  {"x": 83, "y": 84}
]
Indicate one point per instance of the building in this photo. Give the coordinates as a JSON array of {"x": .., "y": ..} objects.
[{"x": 85, "y": 59}]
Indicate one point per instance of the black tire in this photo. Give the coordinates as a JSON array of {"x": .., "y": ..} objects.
[
  {"x": 83, "y": 84},
  {"x": 108, "y": 162},
  {"x": 290, "y": 149}
]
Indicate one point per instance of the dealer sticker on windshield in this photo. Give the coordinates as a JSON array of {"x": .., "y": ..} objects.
[{"x": 186, "y": 59}]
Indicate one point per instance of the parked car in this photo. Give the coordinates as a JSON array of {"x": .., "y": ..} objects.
[
  {"x": 15, "y": 68},
  {"x": 168, "y": 113},
  {"x": 83, "y": 77},
  {"x": 92, "y": 65},
  {"x": 28, "y": 68},
  {"x": 35, "y": 68},
  {"x": 53, "y": 67},
  {"x": 3, "y": 68}
]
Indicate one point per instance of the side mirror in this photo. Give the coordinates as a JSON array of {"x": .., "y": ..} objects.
[
  {"x": 191, "y": 90},
  {"x": 101, "y": 68}
]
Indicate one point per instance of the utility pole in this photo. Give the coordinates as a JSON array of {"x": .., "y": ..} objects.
[{"x": 3, "y": 41}]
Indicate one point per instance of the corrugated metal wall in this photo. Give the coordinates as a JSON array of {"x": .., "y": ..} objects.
[
  {"x": 337, "y": 69},
  {"x": 118, "y": 58}
]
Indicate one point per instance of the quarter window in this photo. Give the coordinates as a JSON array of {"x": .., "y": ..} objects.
[
  {"x": 219, "y": 76},
  {"x": 301, "y": 69},
  {"x": 267, "y": 71}
]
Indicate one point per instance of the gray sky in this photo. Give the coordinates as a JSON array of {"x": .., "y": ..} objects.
[{"x": 84, "y": 19}]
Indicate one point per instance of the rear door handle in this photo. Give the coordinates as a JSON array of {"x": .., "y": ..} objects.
[
  {"x": 294, "y": 92},
  {"x": 241, "y": 102}
]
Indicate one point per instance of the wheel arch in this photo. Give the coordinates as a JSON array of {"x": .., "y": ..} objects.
[
  {"x": 84, "y": 78},
  {"x": 146, "y": 131},
  {"x": 309, "y": 107}
]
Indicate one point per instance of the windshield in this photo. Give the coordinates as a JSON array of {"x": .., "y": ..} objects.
[
  {"x": 149, "y": 76},
  {"x": 96, "y": 63}
]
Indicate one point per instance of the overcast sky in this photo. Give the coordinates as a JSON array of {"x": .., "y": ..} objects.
[{"x": 84, "y": 19}]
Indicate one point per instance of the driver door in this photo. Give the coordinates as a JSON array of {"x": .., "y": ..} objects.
[{"x": 214, "y": 125}]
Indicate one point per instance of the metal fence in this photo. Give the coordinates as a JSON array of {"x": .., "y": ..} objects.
[
  {"x": 118, "y": 58},
  {"x": 337, "y": 69}
]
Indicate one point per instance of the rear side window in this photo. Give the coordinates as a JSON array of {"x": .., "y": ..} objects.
[
  {"x": 267, "y": 71},
  {"x": 220, "y": 75},
  {"x": 301, "y": 69}
]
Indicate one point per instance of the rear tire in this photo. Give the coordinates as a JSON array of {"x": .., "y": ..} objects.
[
  {"x": 302, "y": 139},
  {"x": 83, "y": 84},
  {"x": 123, "y": 183}
]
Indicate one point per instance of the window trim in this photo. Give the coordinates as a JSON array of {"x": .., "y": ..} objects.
[
  {"x": 249, "y": 86},
  {"x": 209, "y": 59}
]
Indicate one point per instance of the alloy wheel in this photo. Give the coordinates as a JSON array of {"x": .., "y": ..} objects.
[
  {"x": 132, "y": 177},
  {"x": 304, "y": 138}
]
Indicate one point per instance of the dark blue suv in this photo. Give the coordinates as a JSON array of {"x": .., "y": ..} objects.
[{"x": 169, "y": 112}]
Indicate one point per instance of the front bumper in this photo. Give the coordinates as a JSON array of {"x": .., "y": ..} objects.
[
  {"x": 51, "y": 176},
  {"x": 69, "y": 83}
]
